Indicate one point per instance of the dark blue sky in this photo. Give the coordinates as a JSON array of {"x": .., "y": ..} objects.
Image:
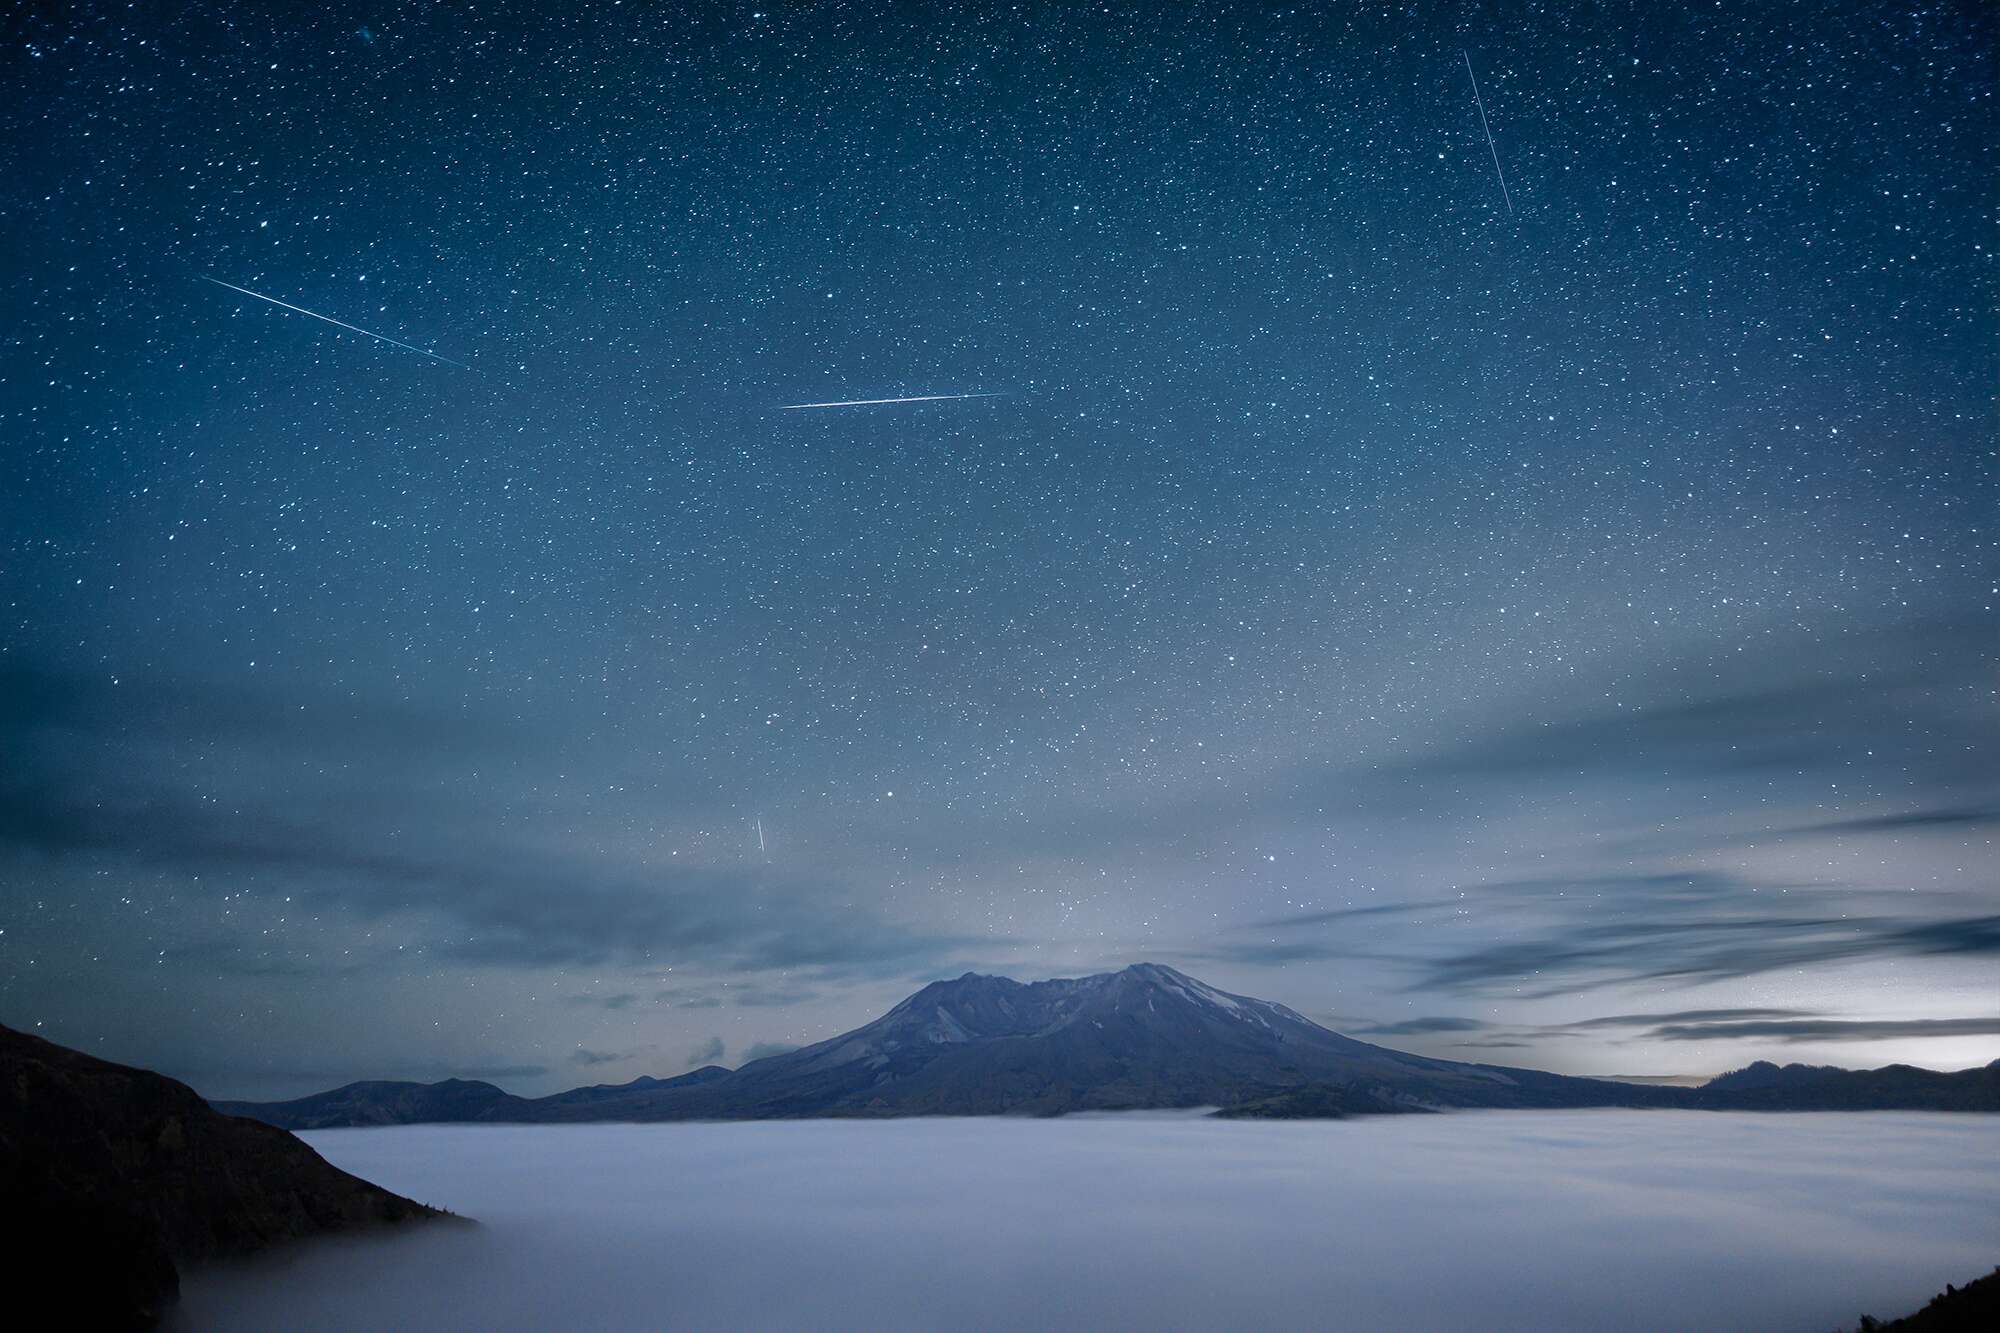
[{"x": 1457, "y": 623}]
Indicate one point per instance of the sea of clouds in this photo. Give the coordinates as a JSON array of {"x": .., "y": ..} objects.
[{"x": 1490, "y": 1221}]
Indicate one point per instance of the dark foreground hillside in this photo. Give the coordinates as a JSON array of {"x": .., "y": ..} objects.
[
  {"x": 111, "y": 1177},
  {"x": 1972, "y": 1308}
]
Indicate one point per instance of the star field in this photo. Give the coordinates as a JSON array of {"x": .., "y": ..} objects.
[{"x": 1354, "y": 593}]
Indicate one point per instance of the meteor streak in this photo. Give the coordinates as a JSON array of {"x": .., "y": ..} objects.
[
  {"x": 877, "y": 402},
  {"x": 338, "y": 323},
  {"x": 1480, "y": 102}
]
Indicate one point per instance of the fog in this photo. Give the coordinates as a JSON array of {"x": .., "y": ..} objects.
[{"x": 1489, "y": 1221}]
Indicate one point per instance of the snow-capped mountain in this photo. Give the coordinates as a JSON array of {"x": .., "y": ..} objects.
[{"x": 1147, "y": 1037}]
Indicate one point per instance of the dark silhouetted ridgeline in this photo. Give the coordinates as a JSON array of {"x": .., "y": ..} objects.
[
  {"x": 1767, "y": 1087},
  {"x": 1972, "y": 1308}
]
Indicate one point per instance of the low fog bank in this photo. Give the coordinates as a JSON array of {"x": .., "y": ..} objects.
[{"x": 1488, "y": 1221}]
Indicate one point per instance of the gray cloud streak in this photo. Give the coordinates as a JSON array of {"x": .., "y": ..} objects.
[
  {"x": 621, "y": 1000},
  {"x": 1682, "y": 1016},
  {"x": 1558, "y": 934},
  {"x": 466, "y": 891},
  {"x": 1415, "y": 1027},
  {"x": 1667, "y": 949},
  {"x": 1831, "y": 1029},
  {"x": 586, "y": 1057}
]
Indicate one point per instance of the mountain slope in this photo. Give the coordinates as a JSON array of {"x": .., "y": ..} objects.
[{"x": 110, "y": 1176}]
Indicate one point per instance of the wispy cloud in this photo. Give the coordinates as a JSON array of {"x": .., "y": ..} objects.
[
  {"x": 1681, "y": 1016},
  {"x": 619, "y": 1000},
  {"x": 742, "y": 992},
  {"x": 1789, "y": 1026},
  {"x": 587, "y": 1057},
  {"x": 1906, "y": 821},
  {"x": 1831, "y": 1030},
  {"x": 1415, "y": 1027},
  {"x": 457, "y": 883},
  {"x": 1578, "y": 956},
  {"x": 1553, "y": 935}
]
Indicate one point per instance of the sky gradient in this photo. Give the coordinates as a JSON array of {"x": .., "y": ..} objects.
[{"x": 1561, "y": 637}]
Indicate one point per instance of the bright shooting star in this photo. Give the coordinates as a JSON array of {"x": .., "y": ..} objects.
[
  {"x": 339, "y": 324},
  {"x": 877, "y": 402},
  {"x": 1481, "y": 104},
  {"x": 760, "y": 837}
]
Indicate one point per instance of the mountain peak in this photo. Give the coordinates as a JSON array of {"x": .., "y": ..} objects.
[
  {"x": 1181, "y": 986},
  {"x": 1141, "y": 970}
]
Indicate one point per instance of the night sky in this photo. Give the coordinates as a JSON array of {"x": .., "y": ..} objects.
[{"x": 1550, "y": 627}]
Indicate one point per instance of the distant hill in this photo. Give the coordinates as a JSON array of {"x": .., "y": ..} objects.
[
  {"x": 1147, "y": 1037},
  {"x": 454, "y": 1101},
  {"x": 604, "y": 1092},
  {"x": 382, "y": 1103},
  {"x": 111, "y": 1177},
  {"x": 1767, "y": 1087}
]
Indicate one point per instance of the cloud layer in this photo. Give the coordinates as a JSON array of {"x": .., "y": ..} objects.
[
  {"x": 100, "y": 775},
  {"x": 1487, "y": 1221}
]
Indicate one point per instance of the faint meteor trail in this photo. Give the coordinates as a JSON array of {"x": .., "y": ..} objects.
[
  {"x": 761, "y": 849},
  {"x": 337, "y": 323},
  {"x": 1481, "y": 104},
  {"x": 877, "y": 402}
]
